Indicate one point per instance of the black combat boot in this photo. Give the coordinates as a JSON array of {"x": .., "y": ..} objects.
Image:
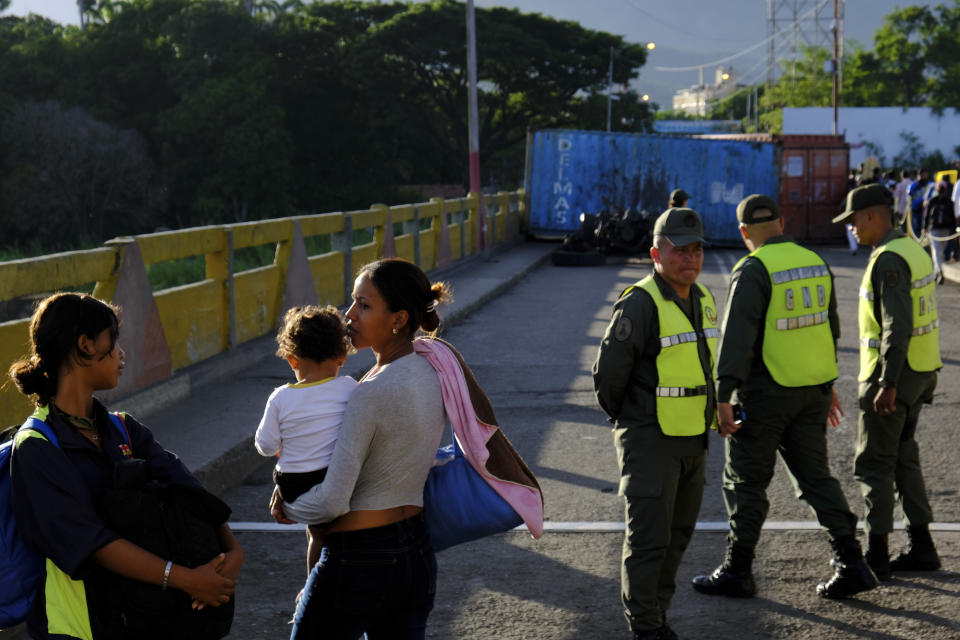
[
  {"x": 662, "y": 633},
  {"x": 732, "y": 578},
  {"x": 853, "y": 574},
  {"x": 921, "y": 555},
  {"x": 878, "y": 556}
]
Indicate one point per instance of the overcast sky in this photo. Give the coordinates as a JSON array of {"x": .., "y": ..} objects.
[{"x": 686, "y": 32}]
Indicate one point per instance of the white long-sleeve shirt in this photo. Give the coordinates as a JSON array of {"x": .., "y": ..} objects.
[{"x": 302, "y": 422}]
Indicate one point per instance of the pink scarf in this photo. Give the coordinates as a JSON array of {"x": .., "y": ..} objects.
[{"x": 481, "y": 440}]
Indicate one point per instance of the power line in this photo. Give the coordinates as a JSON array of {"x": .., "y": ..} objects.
[
  {"x": 678, "y": 29},
  {"x": 741, "y": 53},
  {"x": 720, "y": 61}
]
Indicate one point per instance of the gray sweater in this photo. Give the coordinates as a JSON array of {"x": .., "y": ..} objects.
[{"x": 391, "y": 430}]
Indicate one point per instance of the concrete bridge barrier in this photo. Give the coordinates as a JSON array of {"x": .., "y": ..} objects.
[{"x": 166, "y": 330}]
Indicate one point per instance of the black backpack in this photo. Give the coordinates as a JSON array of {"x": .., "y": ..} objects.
[
  {"x": 941, "y": 214},
  {"x": 176, "y": 522}
]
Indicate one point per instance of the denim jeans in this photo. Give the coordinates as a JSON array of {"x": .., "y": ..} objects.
[{"x": 381, "y": 581}]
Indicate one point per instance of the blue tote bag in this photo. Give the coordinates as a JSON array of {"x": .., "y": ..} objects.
[{"x": 459, "y": 505}]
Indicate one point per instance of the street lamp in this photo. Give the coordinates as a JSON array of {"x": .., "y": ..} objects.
[{"x": 645, "y": 97}]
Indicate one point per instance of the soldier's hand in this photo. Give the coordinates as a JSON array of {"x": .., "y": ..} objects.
[
  {"x": 725, "y": 423},
  {"x": 836, "y": 411},
  {"x": 885, "y": 402}
]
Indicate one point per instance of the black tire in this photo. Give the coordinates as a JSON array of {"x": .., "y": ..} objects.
[{"x": 576, "y": 258}]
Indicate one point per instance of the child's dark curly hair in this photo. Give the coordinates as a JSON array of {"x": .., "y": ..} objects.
[{"x": 317, "y": 333}]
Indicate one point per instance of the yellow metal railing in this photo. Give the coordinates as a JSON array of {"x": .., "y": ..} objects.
[{"x": 227, "y": 307}]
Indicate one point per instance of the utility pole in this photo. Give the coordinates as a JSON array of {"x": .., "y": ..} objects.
[
  {"x": 609, "y": 88},
  {"x": 756, "y": 109},
  {"x": 474, "y": 126},
  {"x": 700, "y": 99},
  {"x": 836, "y": 62}
]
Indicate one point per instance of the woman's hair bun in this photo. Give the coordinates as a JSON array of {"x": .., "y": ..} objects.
[
  {"x": 29, "y": 377},
  {"x": 439, "y": 293}
]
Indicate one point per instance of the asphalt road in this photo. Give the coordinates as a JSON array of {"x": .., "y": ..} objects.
[{"x": 532, "y": 349}]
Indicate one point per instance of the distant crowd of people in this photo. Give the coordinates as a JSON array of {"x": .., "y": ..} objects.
[{"x": 932, "y": 207}]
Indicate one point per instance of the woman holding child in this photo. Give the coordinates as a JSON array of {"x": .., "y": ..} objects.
[{"x": 377, "y": 570}]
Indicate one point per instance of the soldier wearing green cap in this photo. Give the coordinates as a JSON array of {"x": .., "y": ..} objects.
[
  {"x": 654, "y": 378},
  {"x": 899, "y": 360},
  {"x": 779, "y": 356}
]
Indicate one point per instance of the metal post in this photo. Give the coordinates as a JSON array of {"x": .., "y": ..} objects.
[
  {"x": 756, "y": 110},
  {"x": 343, "y": 242},
  {"x": 415, "y": 226},
  {"x": 473, "y": 121},
  {"x": 231, "y": 301},
  {"x": 700, "y": 100},
  {"x": 771, "y": 31},
  {"x": 749, "y": 97},
  {"x": 836, "y": 62},
  {"x": 493, "y": 226},
  {"x": 462, "y": 214},
  {"x": 609, "y": 88}
]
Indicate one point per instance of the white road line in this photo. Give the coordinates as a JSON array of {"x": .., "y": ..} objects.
[{"x": 608, "y": 527}]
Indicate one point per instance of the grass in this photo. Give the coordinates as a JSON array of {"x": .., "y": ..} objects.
[{"x": 175, "y": 273}]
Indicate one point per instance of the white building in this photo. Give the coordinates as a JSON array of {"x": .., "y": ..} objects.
[{"x": 696, "y": 100}]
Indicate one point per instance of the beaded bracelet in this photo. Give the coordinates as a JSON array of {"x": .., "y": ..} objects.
[{"x": 166, "y": 575}]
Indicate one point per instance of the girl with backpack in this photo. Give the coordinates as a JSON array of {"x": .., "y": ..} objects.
[{"x": 57, "y": 488}]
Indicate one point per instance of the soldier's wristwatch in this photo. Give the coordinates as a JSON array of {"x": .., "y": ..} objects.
[{"x": 886, "y": 383}]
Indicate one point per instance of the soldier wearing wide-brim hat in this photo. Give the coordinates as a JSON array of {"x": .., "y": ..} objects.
[
  {"x": 654, "y": 377},
  {"x": 779, "y": 356},
  {"x": 899, "y": 360}
]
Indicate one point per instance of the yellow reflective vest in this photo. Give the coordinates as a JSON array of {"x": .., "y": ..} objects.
[
  {"x": 682, "y": 380},
  {"x": 923, "y": 351},
  {"x": 798, "y": 346}
]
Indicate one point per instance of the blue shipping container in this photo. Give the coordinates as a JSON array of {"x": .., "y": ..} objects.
[{"x": 573, "y": 171}]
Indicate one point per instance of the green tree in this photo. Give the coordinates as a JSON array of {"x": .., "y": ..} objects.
[
  {"x": 223, "y": 143},
  {"x": 913, "y": 62},
  {"x": 533, "y": 72},
  {"x": 72, "y": 178},
  {"x": 803, "y": 84},
  {"x": 346, "y": 149},
  {"x": 256, "y": 108},
  {"x": 673, "y": 114},
  {"x": 734, "y": 106}
]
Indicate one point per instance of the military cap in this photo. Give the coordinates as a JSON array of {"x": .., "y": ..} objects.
[
  {"x": 869, "y": 195},
  {"x": 680, "y": 226},
  {"x": 679, "y": 196},
  {"x": 757, "y": 208}
]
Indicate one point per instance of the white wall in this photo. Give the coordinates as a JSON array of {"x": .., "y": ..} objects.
[{"x": 881, "y": 126}]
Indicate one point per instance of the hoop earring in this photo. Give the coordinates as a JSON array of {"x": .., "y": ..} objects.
[{"x": 395, "y": 332}]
